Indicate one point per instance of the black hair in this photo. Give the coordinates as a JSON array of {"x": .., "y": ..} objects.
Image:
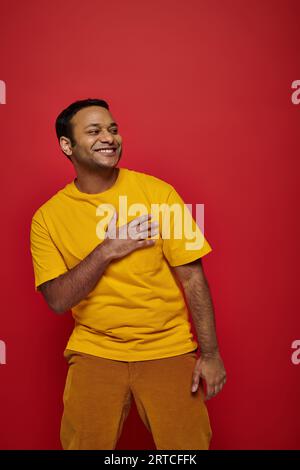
[{"x": 63, "y": 125}]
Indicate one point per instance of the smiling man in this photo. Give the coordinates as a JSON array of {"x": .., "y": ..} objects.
[{"x": 132, "y": 337}]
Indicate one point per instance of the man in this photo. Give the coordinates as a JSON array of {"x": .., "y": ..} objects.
[{"x": 125, "y": 284}]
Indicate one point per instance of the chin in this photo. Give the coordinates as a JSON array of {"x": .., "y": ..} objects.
[{"x": 107, "y": 164}]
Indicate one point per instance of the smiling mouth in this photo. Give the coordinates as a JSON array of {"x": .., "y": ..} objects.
[{"x": 106, "y": 151}]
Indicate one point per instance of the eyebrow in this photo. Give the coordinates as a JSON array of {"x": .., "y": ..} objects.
[{"x": 98, "y": 125}]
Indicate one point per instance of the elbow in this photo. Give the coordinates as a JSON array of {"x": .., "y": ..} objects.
[
  {"x": 59, "y": 310},
  {"x": 57, "y": 307},
  {"x": 55, "y": 304},
  {"x": 51, "y": 298}
]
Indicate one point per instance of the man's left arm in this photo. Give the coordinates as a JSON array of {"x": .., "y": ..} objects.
[{"x": 209, "y": 365}]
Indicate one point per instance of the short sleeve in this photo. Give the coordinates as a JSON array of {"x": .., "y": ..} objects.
[
  {"x": 46, "y": 258},
  {"x": 184, "y": 242}
]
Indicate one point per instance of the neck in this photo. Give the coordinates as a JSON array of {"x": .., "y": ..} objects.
[{"x": 93, "y": 183}]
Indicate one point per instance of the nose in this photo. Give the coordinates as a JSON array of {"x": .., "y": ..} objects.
[{"x": 106, "y": 136}]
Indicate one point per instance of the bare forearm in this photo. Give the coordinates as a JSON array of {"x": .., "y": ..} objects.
[
  {"x": 210, "y": 364},
  {"x": 67, "y": 290},
  {"x": 73, "y": 286},
  {"x": 199, "y": 300}
]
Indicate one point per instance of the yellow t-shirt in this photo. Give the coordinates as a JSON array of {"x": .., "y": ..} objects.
[{"x": 137, "y": 310}]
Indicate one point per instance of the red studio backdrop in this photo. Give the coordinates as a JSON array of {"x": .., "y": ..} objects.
[{"x": 207, "y": 95}]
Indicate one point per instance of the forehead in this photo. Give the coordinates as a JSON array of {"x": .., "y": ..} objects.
[{"x": 92, "y": 115}]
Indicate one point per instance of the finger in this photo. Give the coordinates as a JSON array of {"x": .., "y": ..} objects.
[
  {"x": 195, "y": 386},
  {"x": 147, "y": 225},
  {"x": 115, "y": 215},
  {"x": 144, "y": 243},
  {"x": 110, "y": 228},
  {"x": 219, "y": 386},
  {"x": 217, "y": 390},
  {"x": 201, "y": 389},
  {"x": 144, "y": 234},
  {"x": 153, "y": 229},
  {"x": 210, "y": 392},
  {"x": 133, "y": 227},
  {"x": 149, "y": 231},
  {"x": 195, "y": 381},
  {"x": 113, "y": 219},
  {"x": 153, "y": 232},
  {"x": 222, "y": 384},
  {"x": 139, "y": 220}
]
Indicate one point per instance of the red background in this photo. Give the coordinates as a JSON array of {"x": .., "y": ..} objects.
[{"x": 202, "y": 93}]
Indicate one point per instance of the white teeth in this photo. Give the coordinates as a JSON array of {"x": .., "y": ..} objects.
[{"x": 106, "y": 150}]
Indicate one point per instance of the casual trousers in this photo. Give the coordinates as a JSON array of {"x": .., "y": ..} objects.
[{"x": 98, "y": 394}]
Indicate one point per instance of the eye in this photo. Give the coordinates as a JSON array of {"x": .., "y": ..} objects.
[
  {"x": 114, "y": 130},
  {"x": 93, "y": 132}
]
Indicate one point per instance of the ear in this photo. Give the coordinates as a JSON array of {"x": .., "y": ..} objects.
[{"x": 66, "y": 146}]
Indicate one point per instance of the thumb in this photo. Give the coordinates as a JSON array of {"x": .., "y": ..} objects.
[
  {"x": 114, "y": 218},
  {"x": 196, "y": 380},
  {"x": 110, "y": 229}
]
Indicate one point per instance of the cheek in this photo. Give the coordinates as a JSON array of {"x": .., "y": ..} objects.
[
  {"x": 85, "y": 146},
  {"x": 82, "y": 142},
  {"x": 89, "y": 143}
]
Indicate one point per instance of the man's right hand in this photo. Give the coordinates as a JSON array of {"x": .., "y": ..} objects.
[{"x": 121, "y": 241}]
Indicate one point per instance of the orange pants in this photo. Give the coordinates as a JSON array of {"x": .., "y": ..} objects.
[{"x": 98, "y": 394}]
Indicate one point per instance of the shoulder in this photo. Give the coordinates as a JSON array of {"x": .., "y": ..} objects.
[
  {"x": 151, "y": 182},
  {"x": 49, "y": 204}
]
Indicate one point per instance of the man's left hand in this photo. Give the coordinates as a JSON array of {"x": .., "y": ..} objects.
[{"x": 211, "y": 369}]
